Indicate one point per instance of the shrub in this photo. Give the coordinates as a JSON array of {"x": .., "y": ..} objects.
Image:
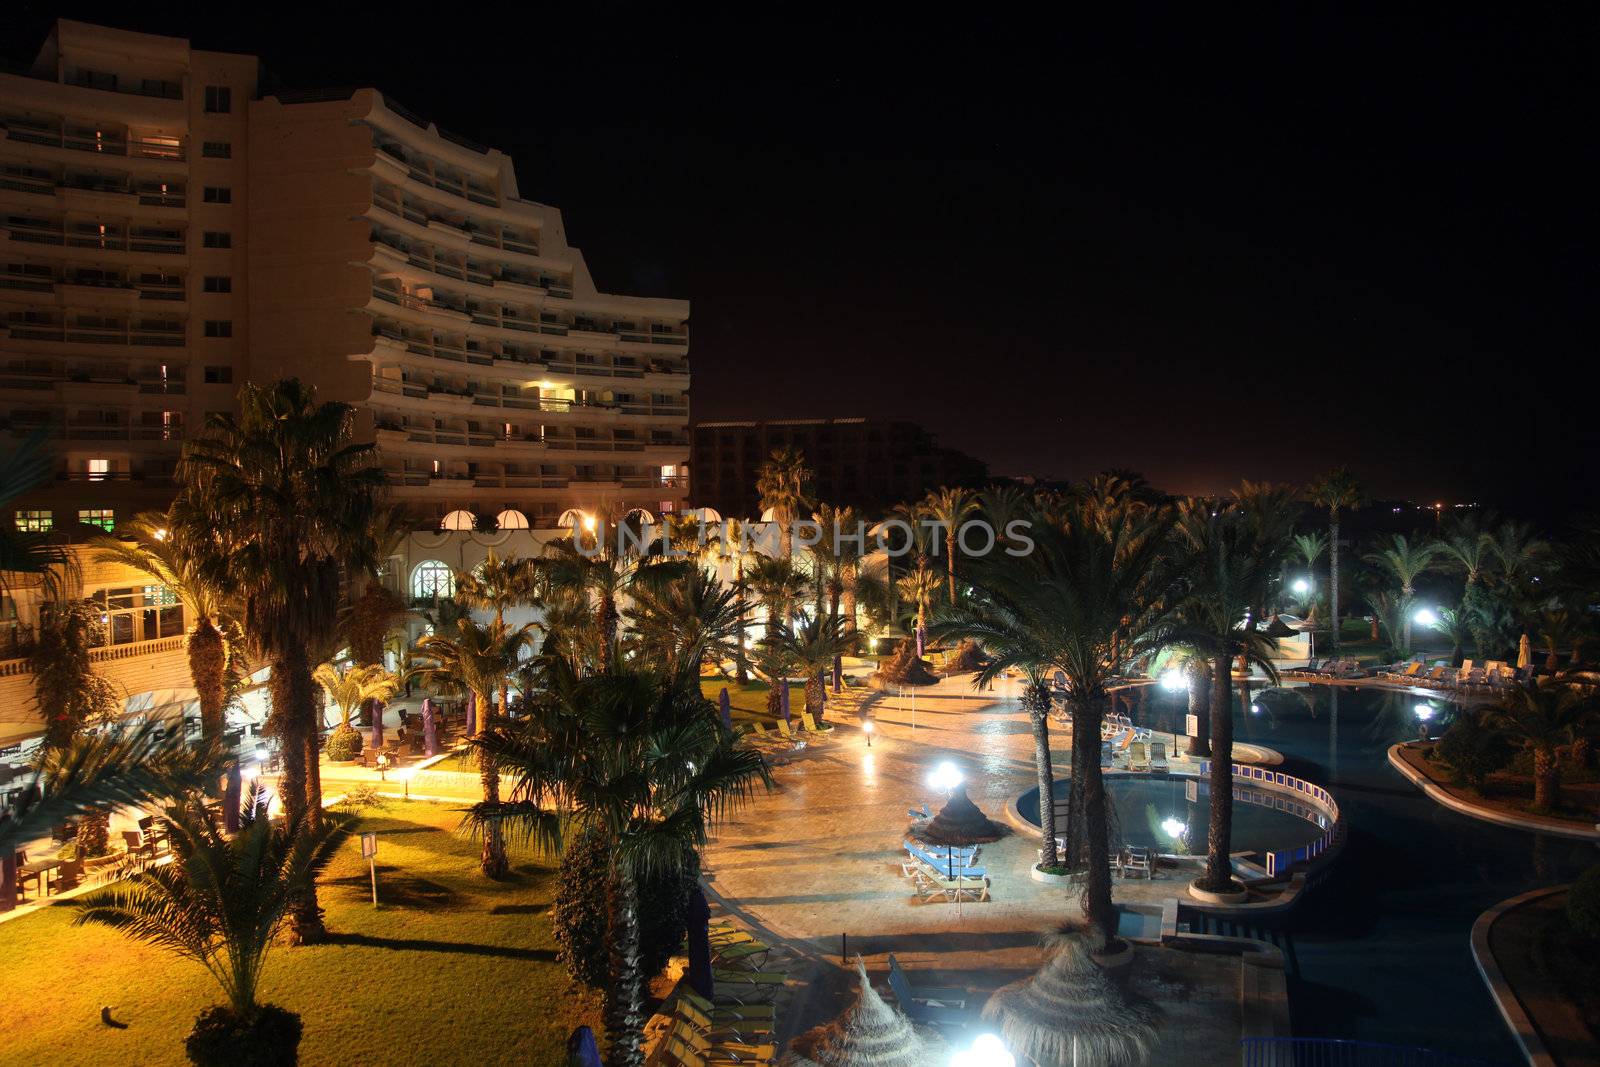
[
  {"x": 1583, "y": 903},
  {"x": 363, "y": 796},
  {"x": 581, "y": 915},
  {"x": 1473, "y": 751},
  {"x": 221, "y": 1038},
  {"x": 344, "y": 743}
]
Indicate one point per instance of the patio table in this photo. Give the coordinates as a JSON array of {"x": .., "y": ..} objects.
[{"x": 39, "y": 871}]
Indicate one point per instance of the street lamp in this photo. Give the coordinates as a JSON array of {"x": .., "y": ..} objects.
[
  {"x": 945, "y": 777},
  {"x": 1301, "y": 586},
  {"x": 1173, "y": 827},
  {"x": 1425, "y": 617},
  {"x": 1173, "y": 681},
  {"x": 987, "y": 1051},
  {"x": 867, "y": 729}
]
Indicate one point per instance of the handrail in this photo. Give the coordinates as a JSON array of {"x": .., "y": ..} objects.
[
  {"x": 1341, "y": 1052},
  {"x": 1279, "y": 862}
]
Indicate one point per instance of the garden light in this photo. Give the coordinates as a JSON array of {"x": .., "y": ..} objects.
[
  {"x": 945, "y": 777},
  {"x": 987, "y": 1051},
  {"x": 1173, "y": 681},
  {"x": 867, "y": 728},
  {"x": 1172, "y": 827},
  {"x": 1301, "y": 586},
  {"x": 1424, "y": 711},
  {"x": 1425, "y": 617}
]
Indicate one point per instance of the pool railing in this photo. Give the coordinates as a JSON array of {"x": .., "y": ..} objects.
[{"x": 1281, "y": 860}]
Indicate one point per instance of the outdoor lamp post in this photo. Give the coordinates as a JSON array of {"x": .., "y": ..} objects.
[
  {"x": 1301, "y": 586},
  {"x": 867, "y": 728},
  {"x": 1425, "y": 617},
  {"x": 383, "y": 766},
  {"x": 945, "y": 777}
]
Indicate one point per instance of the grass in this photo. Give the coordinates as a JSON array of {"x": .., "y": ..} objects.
[
  {"x": 450, "y": 968},
  {"x": 747, "y": 702}
]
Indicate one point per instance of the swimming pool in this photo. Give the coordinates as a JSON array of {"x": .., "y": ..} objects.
[{"x": 1169, "y": 813}]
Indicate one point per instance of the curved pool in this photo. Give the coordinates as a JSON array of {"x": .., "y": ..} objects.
[{"x": 1169, "y": 813}]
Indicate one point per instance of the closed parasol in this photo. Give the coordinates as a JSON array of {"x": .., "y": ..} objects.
[{"x": 869, "y": 1034}]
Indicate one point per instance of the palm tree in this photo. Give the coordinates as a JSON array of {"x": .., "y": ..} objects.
[
  {"x": 950, "y": 508},
  {"x": 812, "y": 644},
  {"x": 1559, "y": 628},
  {"x": 1088, "y": 598},
  {"x": 687, "y": 622},
  {"x": 1226, "y": 574},
  {"x": 147, "y": 545},
  {"x": 277, "y": 504},
  {"x": 353, "y": 688},
  {"x": 1311, "y": 546},
  {"x": 734, "y": 547},
  {"x": 1337, "y": 492},
  {"x": 498, "y": 584},
  {"x": 221, "y": 904},
  {"x": 920, "y": 584},
  {"x": 643, "y": 761},
  {"x": 777, "y": 583},
  {"x": 480, "y": 660},
  {"x": 840, "y": 551},
  {"x": 1542, "y": 718},
  {"x": 1404, "y": 562},
  {"x": 784, "y": 486},
  {"x": 1468, "y": 548},
  {"x": 603, "y": 574}
]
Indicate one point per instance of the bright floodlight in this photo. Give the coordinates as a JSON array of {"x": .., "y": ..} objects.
[
  {"x": 987, "y": 1051},
  {"x": 588, "y": 523},
  {"x": 1301, "y": 586},
  {"x": 1425, "y": 617},
  {"x": 1423, "y": 711},
  {"x": 1173, "y": 681},
  {"x": 1172, "y": 827},
  {"x": 945, "y": 777},
  {"x": 867, "y": 726},
  {"x": 1255, "y": 709}
]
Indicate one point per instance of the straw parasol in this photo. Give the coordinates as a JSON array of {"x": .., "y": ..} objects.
[
  {"x": 1524, "y": 652},
  {"x": 959, "y": 822},
  {"x": 869, "y": 1034},
  {"x": 1070, "y": 1012},
  {"x": 904, "y": 667}
]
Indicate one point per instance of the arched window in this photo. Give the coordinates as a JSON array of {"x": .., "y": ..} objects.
[{"x": 433, "y": 579}]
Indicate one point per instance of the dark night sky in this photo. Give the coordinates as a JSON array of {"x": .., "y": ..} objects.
[{"x": 1202, "y": 250}]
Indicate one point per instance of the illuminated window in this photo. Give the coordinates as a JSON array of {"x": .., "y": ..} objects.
[
  {"x": 432, "y": 580},
  {"x": 35, "y": 521},
  {"x": 99, "y": 470},
  {"x": 105, "y": 518},
  {"x": 139, "y": 613}
]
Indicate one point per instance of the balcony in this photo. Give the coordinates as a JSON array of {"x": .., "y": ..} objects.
[
  {"x": 165, "y": 148},
  {"x": 38, "y": 231},
  {"x": 146, "y": 334}
]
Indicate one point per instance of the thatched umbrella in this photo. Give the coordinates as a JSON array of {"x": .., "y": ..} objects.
[
  {"x": 1070, "y": 1013},
  {"x": 869, "y": 1034},
  {"x": 904, "y": 667},
  {"x": 959, "y": 822}
]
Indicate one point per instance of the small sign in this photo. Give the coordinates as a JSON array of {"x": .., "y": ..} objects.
[
  {"x": 369, "y": 846},
  {"x": 1191, "y": 791},
  {"x": 1191, "y": 725}
]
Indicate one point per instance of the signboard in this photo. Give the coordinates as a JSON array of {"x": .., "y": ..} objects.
[
  {"x": 369, "y": 846},
  {"x": 1191, "y": 725}
]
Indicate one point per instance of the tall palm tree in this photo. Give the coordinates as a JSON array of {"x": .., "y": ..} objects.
[
  {"x": 1336, "y": 492},
  {"x": 604, "y": 573},
  {"x": 1310, "y": 547},
  {"x": 1542, "y": 718},
  {"x": 812, "y": 644},
  {"x": 1089, "y": 595},
  {"x": 840, "y": 549},
  {"x": 277, "y": 505},
  {"x": 778, "y": 584},
  {"x": 222, "y": 904},
  {"x": 1404, "y": 561},
  {"x": 1226, "y": 574},
  {"x": 1466, "y": 547},
  {"x": 920, "y": 584},
  {"x": 783, "y": 483},
  {"x": 499, "y": 584},
  {"x": 146, "y": 544},
  {"x": 353, "y": 687},
  {"x": 479, "y": 660},
  {"x": 950, "y": 508},
  {"x": 643, "y": 761},
  {"x": 686, "y": 623},
  {"x": 734, "y": 547}
]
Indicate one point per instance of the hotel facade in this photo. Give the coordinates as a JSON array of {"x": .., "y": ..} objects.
[{"x": 169, "y": 231}]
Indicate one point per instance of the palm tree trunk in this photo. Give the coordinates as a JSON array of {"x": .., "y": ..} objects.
[
  {"x": 493, "y": 861},
  {"x": 293, "y": 709},
  {"x": 1039, "y": 718},
  {"x": 814, "y": 695},
  {"x": 741, "y": 662},
  {"x": 625, "y": 998},
  {"x": 1333, "y": 577},
  {"x": 950, "y": 564},
  {"x": 606, "y": 619},
  {"x": 1098, "y": 910},
  {"x": 1219, "y": 864},
  {"x": 208, "y": 666},
  {"x": 1200, "y": 708},
  {"x": 1546, "y": 785}
]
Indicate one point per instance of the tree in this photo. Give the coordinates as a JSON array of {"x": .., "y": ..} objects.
[
  {"x": 1336, "y": 492},
  {"x": 643, "y": 761},
  {"x": 1542, "y": 718},
  {"x": 1226, "y": 571},
  {"x": 222, "y": 904},
  {"x": 605, "y": 571},
  {"x": 777, "y": 583},
  {"x": 686, "y": 623},
  {"x": 949, "y": 508},
  {"x": 350, "y": 690},
  {"x": 479, "y": 660},
  {"x": 1404, "y": 561},
  {"x": 783, "y": 483},
  {"x": 734, "y": 547},
  {"x": 839, "y": 552},
  {"x": 28, "y": 554},
  {"x": 277, "y": 504},
  {"x": 812, "y": 644},
  {"x": 920, "y": 584},
  {"x": 1466, "y": 547}
]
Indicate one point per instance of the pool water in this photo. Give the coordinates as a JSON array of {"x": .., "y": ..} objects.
[
  {"x": 1170, "y": 814},
  {"x": 1379, "y": 952}
]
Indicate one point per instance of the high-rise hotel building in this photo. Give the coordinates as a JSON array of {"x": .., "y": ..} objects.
[{"x": 169, "y": 232}]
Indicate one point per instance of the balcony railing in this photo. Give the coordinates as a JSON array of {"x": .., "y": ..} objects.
[
  {"x": 98, "y": 335},
  {"x": 104, "y": 242},
  {"x": 136, "y": 147}
]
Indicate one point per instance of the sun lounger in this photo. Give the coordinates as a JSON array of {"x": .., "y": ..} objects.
[
  {"x": 1436, "y": 677},
  {"x": 934, "y": 887},
  {"x": 1138, "y": 756},
  {"x": 1158, "y": 756},
  {"x": 1411, "y": 673},
  {"x": 690, "y": 1046},
  {"x": 743, "y": 986},
  {"x": 1137, "y": 862},
  {"x": 739, "y": 1031},
  {"x": 753, "y": 1015},
  {"x": 741, "y": 953},
  {"x": 811, "y": 722},
  {"x": 921, "y": 1010},
  {"x": 785, "y": 730},
  {"x": 941, "y": 864},
  {"x": 923, "y": 814},
  {"x": 963, "y": 855},
  {"x": 935, "y": 996}
]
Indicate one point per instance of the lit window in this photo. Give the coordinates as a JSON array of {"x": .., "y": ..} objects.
[
  {"x": 105, "y": 518},
  {"x": 99, "y": 470},
  {"x": 35, "y": 521},
  {"x": 432, "y": 580}
]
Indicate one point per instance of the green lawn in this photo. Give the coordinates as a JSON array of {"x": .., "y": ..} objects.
[
  {"x": 748, "y": 701},
  {"x": 449, "y": 969}
]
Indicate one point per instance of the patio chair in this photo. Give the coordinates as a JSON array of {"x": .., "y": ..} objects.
[
  {"x": 811, "y": 723},
  {"x": 751, "y": 953},
  {"x": 743, "y": 987},
  {"x": 1138, "y": 861},
  {"x": 936, "y": 996},
  {"x": 1138, "y": 756},
  {"x": 686, "y": 1046},
  {"x": 1158, "y": 756},
  {"x": 786, "y": 731},
  {"x": 923, "y": 1011}
]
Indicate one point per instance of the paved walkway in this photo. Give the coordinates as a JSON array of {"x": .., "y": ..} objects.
[{"x": 818, "y": 859}]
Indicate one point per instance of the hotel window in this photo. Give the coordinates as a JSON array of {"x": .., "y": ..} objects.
[
  {"x": 219, "y": 328},
  {"x": 219, "y": 375},
  {"x": 215, "y": 239},
  {"x": 139, "y": 613},
  {"x": 99, "y": 470},
  {"x": 104, "y": 518},
  {"x": 216, "y": 150},
  {"x": 219, "y": 99},
  {"x": 35, "y": 521},
  {"x": 217, "y": 284},
  {"x": 218, "y": 194},
  {"x": 432, "y": 580}
]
